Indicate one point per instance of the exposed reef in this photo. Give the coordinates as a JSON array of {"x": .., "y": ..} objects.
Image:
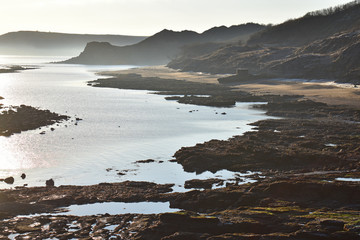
[
  {"x": 16, "y": 119},
  {"x": 186, "y": 92},
  {"x": 314, "y": 136},
  {"x": 294, "y": 208},
  {"x": 24, "y": 200},
  {"x": 288, "y": 144},
  {"x": 160, "y": 85},
  {"x": 14, "y": 68}
]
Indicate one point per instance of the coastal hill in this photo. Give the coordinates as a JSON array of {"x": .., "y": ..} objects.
[
  {"x": 278, "y": 51},
  {"x": 50, "y": 43},
  {"x": 313, "y": 26},
  {"x": 157, "y": 49},
  {"x": 161, "y": 47},
  {"x": 233, "y": 33}
]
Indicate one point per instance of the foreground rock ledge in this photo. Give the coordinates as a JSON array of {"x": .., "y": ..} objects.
[
  {"x": 297, "y": 208},
  {"x": 24, "y": 200}
]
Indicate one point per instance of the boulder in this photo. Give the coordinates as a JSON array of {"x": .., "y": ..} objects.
[
  {"x": 9, "y": 180},
  {"x": 50, "y": 183}
]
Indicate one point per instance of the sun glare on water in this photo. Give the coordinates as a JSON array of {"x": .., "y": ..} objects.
[
  {"x": 15, "y": 156},
  {"x": 7, "y": 158},
  {"x": 12, "y": 156}
]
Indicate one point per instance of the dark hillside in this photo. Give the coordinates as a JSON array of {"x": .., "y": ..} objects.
[
  {"x": 313, "y": 26},
  {"x": 294, "y": 49},
  {"x": 231, "y": 34},
  {"x": 163, "y": 46},
  {"x": 157, "y": 49},
  {"x": 336, "y": 57}
]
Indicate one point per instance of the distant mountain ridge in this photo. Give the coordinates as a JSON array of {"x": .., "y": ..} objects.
[
  {"x": 51, "y": 43},
  {"x": 159, "y": 48}
]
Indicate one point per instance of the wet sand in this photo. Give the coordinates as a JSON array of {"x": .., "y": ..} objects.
[
  {"x": 168, "y": 73},
  {"x": 321, "y": 92}
]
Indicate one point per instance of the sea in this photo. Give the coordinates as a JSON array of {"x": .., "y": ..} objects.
[{"x": 118, "y": 128}]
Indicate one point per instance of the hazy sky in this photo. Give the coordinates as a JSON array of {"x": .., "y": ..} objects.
[{"x": 146, "y": 17}]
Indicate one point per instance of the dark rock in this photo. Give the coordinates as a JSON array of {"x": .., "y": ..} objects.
[
  {"x": 23, "y": 176},
  {"x": 277, "y": 146},
  {"x": 23, "y": 118},
  {"x": 345, "y": 235},
  {"x": 182, "y": 236},
  {"x": 145, "y": 161},
  {"x": 312, "y": 235},
  {"x": 332, "y": 225},
  {"x": 9, "y": 180},
  {"x": 206, "y": 184},
  {"x": 186, "y": 218},
  {"x": 50, "y": 183}
]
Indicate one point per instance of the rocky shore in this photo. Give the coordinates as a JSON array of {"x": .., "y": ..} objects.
[
  {"x": 315, "y": 138},
  {"x": 295, "y": 207},
  {"x": 15, "y": 119},
  {"x": 15, "y": 68},
  {"x": 302, "y": 156}
]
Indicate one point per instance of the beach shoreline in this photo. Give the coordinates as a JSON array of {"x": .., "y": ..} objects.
[
  {"x": 301, "y": 156},
  {"x": 322, "y": 90}
]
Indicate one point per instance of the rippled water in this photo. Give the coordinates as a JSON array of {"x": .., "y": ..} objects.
[{"x": 119, "y": 127}]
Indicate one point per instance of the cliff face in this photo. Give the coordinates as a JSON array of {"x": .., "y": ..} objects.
[{"x": 161, "y": 47}]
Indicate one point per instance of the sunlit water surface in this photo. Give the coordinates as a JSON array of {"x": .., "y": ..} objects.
[{"x": 118, "y": 128}]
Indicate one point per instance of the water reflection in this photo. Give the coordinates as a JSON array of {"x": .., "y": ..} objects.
[{"x": 119, "y": 128}]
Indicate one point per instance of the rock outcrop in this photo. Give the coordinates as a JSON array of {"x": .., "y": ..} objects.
[{"x": 23, "y": 118}]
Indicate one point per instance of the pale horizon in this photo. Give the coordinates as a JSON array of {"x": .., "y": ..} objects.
[{"x": 145, "y": 18}]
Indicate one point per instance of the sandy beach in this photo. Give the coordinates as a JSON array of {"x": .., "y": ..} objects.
[{"x": 327, "y": 91}]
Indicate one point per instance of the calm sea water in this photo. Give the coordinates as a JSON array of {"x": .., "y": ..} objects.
[{"x": 119, "y": 127}]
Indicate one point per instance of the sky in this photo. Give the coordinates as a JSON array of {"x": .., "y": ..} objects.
[{"x": 146, "y": 17}]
